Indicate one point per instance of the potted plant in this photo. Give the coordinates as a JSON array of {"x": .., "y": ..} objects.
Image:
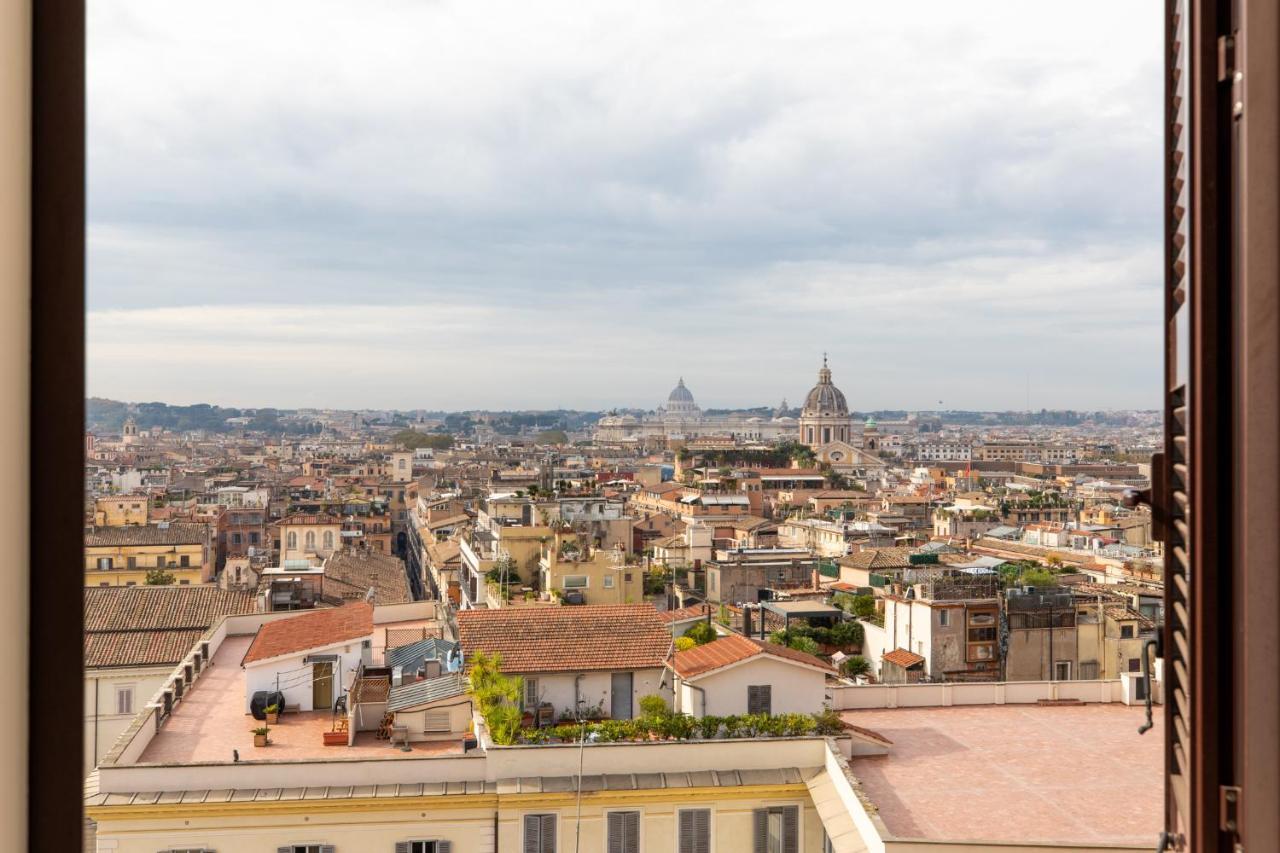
[
  {"x": 260, "y": 736},
  {"x": 273, "y": 714}
]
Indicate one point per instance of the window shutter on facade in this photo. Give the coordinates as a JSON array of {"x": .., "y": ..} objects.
[
  {"x": 759, "y": 699},
  {"x": 791, "y": 829},
  {"x": 624, "y": 832},
  {"x": 540, "y": 833},
  {"x": 402, "y": 847},
  {"x": 1174, "y": 477},
  {"x": 760, "y": 831},
  {"x": 695, "y": 831}
]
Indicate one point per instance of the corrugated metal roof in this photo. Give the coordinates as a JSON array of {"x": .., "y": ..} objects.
[
  {"x": 429, "y": 690},
  {"x": 431, "y": 648}
]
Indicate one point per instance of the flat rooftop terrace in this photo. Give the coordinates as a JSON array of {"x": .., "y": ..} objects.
[
  {"x": 1075, "y": 774},
  {"x": 211, "y": 722}
]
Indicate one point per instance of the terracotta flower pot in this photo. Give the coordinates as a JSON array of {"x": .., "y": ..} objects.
[
  {"x": 272, "y": 717},
  {"x": 259, "y": 740}
]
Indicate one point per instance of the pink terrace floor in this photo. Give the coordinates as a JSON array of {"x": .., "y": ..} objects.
[
  {"x": 1077, "y": 774},
  {"x": 211, "y": 722}
]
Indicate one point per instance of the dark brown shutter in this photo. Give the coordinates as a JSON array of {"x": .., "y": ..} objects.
[
  {"x": 1215, "y": 494},
  {"x": 1175, "y": 477}
]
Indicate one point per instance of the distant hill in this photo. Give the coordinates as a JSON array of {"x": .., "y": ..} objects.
[{"x": 102, "y": 415}]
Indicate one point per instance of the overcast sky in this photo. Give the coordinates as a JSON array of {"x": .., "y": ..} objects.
[{"x": 531, "y": 205}]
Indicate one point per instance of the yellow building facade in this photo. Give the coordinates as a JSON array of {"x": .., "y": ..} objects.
[
  {"x": 571, "y": 568},
  {"x": 122, "y": 556}
]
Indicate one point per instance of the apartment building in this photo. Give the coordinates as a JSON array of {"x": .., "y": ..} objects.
[
  {"x": 122, "y": 556},
  {"x": 134, "y": 637},
  {"x": 120, "y": 510},
  {"x": 578, "y": 573},
  {"x": 948, "y": 618}
]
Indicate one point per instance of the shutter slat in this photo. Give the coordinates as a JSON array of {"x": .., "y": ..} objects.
[
  {"x": 760, "y": 831},
  {"x": 444, "y": 847},
  {"x": 402, "y": 847}
]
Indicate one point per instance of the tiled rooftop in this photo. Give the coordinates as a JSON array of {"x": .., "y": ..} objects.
[
  {"x": 554, "y": 639},
  {"x": 211, "y": 722},
  {"x": 151, "y": 625},
  {"x": 1077, "y": 774},
  {"x": 147, "y": 534},
  {"x": 734, "y": 648},
  {"x": 313, "y": 630}
]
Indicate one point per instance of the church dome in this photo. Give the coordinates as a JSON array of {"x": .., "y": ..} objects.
[
  {"x": 825, "y": 399},
  {"x": 680, "y": 401},
  {"x": 680, "y": 394}
]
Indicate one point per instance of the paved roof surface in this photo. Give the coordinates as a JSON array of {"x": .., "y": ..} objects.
[
  {"x": 1075, "y": 775},
  {"x": 569, "y": 638},
  {"x": 733, "y": 649},
  {"x": 313, "y": 630}
]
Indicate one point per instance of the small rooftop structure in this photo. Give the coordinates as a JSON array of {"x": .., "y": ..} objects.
[
  {"x": 734, "y": 649},
  {"x": 319, "y": 628},
  {"x": 549, "y": 639}
]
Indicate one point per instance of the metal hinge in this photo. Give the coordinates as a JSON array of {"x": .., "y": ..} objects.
[
  {"x": 1229, "y": 808},
  {"x": 1228, "y": 69}
]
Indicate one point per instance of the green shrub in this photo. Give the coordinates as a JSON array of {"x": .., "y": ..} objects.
[
  {"x": 683, "y": 644},
  {"x": 504, "y": 724},
  {"x": 828, "y": 723},
  {"x": 855, "y": 666},
  {"x": 679, "y": 726},
  {"x": 733, "y": 726},
  {"x": 654, "y": 705},
  {"x": 798, "y": 725},
  {"x": 701, "y": 633},
  {"x": 846, "y": 634},
  {"x": 709, "y": 727},
  {"x": 864, "y": 606},
  {"x": 805, "y": 644}
]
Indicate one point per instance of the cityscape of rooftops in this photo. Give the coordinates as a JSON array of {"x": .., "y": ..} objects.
[{"x": 693, "y": 429}]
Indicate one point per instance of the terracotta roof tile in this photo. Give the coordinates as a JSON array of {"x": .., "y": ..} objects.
[
  {"x": 158, "y": 608},
  {"x": 313, "y": 630},
  {"x": 733, "y": 649},
  {"x": 694, "y": 611},
  {"x": 150, "y": 626},
  {"x": 352, "y": 571},
  {"x": 148, "y": 534},
  {"x": 903, "y": 658},
  {"x": 558, "y": 639}
]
